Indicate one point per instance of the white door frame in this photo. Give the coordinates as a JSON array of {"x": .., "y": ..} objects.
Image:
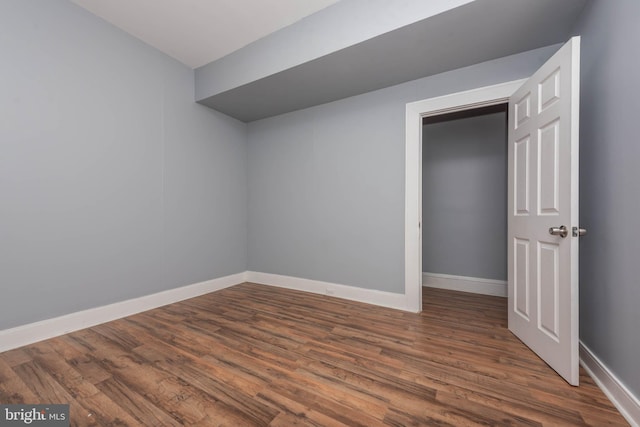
[{"x": 415, "y": 111}]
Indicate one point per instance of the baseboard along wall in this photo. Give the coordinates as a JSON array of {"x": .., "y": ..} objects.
[
  {"x": 622, "y": 398},
  {"x": 474, "y": 285},
  {"x": 353, "y": 293},
  {"x": 614, "y": 389},
  {"x": 50, "y": 328}
]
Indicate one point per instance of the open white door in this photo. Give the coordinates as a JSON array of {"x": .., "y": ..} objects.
[{"x": 543, "y": 199}]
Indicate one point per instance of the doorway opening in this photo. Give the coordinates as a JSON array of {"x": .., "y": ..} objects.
[
  {"x": 416, "y": 112},
  {"x": 464, "y": 200}
]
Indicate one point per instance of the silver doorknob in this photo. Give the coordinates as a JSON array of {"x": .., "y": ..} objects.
[
  {"x": 577, "y": 231},
  {"x": 559, "y": 231}
]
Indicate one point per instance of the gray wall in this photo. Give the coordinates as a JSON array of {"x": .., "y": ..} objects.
[
  {"x": 609, "y": 182},
  {"x": 113, "y": 183},
  {"x": 326, "y": 184},
  {"x": 464, "y": 197}
]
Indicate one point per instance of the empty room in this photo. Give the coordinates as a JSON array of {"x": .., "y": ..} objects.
[{"x": 319, "y": 212}]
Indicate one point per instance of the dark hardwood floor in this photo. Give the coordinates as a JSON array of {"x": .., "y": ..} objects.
[{"x": 257, "y": 355}]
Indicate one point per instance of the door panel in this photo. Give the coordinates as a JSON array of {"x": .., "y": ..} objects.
[
  {"x": 521, "y": 286},
  {"x": 548, "y": 163},
  {"x": 543, "y": 193},
  {"x": 521, "y": 177},
  {"x": 549, "y": 290}
]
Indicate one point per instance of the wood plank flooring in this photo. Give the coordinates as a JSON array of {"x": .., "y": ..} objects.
[{"x": 253, "y": 355}]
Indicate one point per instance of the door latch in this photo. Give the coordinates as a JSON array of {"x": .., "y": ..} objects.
[{"x": 577, "y": 231}]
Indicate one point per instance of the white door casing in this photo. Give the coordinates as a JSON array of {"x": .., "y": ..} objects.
[
  {"x": 415, "y": 112},
  {"x": 543, "y": 193}
]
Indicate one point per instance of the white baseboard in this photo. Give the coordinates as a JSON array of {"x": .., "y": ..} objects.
[
  {"x": 616, "y": 391},
  {"x": 50, "y": 328},
  {"x": 369, "y": 296},
  {"x": 45, "y": 329},
  {"x": 474, "y": 285}
]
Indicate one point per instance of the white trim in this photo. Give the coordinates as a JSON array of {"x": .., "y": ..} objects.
[
  {"x": 476, "y": 285},
  {"x": 415, "y": 111},
  {"x": 45, "y": 329},
  {"x": 413, "y": 209},
  {"x": 613, "y": 388},
  {"x": 353, "y": 293},
  {"x": 50, "y": 328}
]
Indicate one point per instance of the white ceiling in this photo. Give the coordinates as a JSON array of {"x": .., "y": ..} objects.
[{"x": 196, "y": 32}]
